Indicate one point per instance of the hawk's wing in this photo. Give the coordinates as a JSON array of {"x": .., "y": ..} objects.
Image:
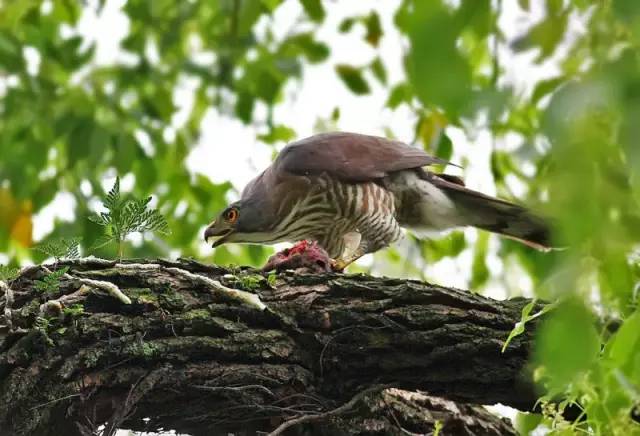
[{"x": 350, "y": 157}]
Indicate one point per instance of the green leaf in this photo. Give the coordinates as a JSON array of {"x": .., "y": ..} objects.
[
  {"x": 51, "y": 282},
  {"x": 102, "y": 241},
  {"x": 545, "y": 35},
  {"x": 352, "y": 78},
  {"x": 524, "y": 4},
  {"x": 335, "y": 114},
  {"x": 545, "y": 87},
  {"x": 526, "y": 422},
  {"x": 271, "y": 4},
  {"x": 244, "y": 106},
  {"x": 518, "y": 328},
  {"x": 400, "y": 93},
  {"x": 314, "y": 9},
  {"x": 479, "y": 269},
  {"x": 623, "y": 348},
  {"x": 566, "y": 343},
  {"x": 278, "y": 133},
  {"x": 112, "y": 201},
  {"x": 447, "y": 246},
  {"x": 10, "y": 53},
  {"x": 476, "y": 15},
  {"x": 79, "y": 138},
  {"x": 268, "y": 84},
  {"x": 74, "y": 310},
  {"x": 346, "y": 25},
  {"x": 444, "y": 148},
  {"x": 374, "y": 28},
  {"x": 379, "y": 71},
  {"x": 313, "y": 50}
]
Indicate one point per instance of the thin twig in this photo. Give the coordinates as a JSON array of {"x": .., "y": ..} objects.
[
  {"x": 235, "y": 388},
  {"x": 332, "y": 413},
  {"x": 55, "y": 401}
]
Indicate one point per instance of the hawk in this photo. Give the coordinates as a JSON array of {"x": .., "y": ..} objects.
[{"x": 354, "y": 194}]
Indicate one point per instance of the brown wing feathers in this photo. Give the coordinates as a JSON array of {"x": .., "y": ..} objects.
[{"x": 351, "y": 157}]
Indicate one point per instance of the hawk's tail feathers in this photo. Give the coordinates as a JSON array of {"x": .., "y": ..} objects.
[{"x": 497, "y": 216}]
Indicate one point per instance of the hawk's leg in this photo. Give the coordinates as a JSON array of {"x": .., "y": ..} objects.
[
  {"x": 354, "y": 249},
  {"x": 343, "y": 262}
]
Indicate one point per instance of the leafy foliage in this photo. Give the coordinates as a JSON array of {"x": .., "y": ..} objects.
[
  {"x": 43, "y": 325},
  {"x": 126, "y": 216},
  {"x": 62, "y": 248},
  {"x": 50, "y": 283},
  {"x": 73, "y": 311},
  {"x": 8, "y": 273}
]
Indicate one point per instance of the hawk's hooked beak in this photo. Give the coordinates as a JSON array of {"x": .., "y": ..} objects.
[{"x": 217, "y": 236}]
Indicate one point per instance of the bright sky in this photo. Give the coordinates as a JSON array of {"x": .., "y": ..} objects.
[{"x": 228, "y": 150}]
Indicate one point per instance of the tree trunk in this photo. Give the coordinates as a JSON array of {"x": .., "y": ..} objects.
[{"x": 315, "y": 353}]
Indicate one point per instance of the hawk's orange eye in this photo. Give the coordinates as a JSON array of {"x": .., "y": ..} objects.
[{"x": 231, "y": 215}]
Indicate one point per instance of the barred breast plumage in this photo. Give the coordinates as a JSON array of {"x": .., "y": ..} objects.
[{"x": 331, "y": 209}]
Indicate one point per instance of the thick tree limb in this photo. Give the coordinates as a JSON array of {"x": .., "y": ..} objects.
[{"x": 190, "y": 356}]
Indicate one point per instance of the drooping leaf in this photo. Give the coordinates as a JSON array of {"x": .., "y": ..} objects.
[
  {"x": 444, "y": 148},
  {"x": 479, "y": 268},
  {"x": 374, "y": 28},
  {"x": 400, "y": 93},
  {"x": 352, "y": 78},
  {"x": 379, "y": 71},
  {"x": 314, "y": 9}
]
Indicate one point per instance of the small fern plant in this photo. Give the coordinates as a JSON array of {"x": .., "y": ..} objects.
[
  {"x": 62, "y": 248},
  {"x": 8, "y": 273},
  {"x": 125, "y": 216},
  {"x": 51, "y": 282}
]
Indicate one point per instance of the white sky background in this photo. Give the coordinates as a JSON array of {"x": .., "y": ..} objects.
[{"x": 228, "y": 150}]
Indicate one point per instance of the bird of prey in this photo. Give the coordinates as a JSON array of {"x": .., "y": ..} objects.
[{"x": 354, "y": 193}]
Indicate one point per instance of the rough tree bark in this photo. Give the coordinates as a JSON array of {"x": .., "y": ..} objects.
[{"x": 190, "y": 354}]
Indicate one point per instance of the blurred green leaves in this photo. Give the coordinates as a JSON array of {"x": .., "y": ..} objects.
[
  {"x": 623, "y": 348},
  {"x": 314, "y": 9},
  {"x": 567, "y": 343},
  {"x": 433, "y": 31},
  {"x": 548, "y": 33}
]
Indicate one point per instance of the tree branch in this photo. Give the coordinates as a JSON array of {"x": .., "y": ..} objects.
[{"x": 185, "y": 356}]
